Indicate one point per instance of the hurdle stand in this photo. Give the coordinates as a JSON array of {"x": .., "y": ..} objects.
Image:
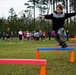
[
  {"x": 57, "y": 45},
  {"x": 42, "y": 63},
  {"x": 72, "y": 59}
]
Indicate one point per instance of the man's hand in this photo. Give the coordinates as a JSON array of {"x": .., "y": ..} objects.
[{"x": 43, "y": 17}]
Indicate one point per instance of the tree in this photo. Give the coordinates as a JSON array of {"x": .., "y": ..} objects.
[
  {"x": 41, "y": 4},
  {"x": 73, "y": 4},
  {"x": 1, "y": 23},
  {"x": 12, "y": 19}
]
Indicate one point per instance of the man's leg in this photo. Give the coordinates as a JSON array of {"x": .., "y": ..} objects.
[{"x": 60, "y": 38}]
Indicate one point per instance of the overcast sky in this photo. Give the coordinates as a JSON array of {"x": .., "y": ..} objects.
[{"x": 18, "y": 6}]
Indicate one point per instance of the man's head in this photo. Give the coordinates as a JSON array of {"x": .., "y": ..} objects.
[{"x": 59, "y": 8}]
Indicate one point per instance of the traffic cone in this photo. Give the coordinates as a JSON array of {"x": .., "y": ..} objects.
[
  {"x": 56, "y": 50},
  {"x": 75, "y": 38},
  {"x": 43, "y": 70},
  {"x": 38, "y": 54},
  {"x": 72, "y": 59}
]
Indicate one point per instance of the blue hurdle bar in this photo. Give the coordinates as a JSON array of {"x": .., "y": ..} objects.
[{"x": 55, "y": 48}]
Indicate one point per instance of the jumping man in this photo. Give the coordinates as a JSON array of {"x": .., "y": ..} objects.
[{"x": 58, "y": 18}]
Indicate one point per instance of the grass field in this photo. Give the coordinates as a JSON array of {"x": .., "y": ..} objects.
[{"x": 56, "y": 64}]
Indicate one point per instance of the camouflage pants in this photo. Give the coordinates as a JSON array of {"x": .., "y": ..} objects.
[{"x": 60, "y": 36}]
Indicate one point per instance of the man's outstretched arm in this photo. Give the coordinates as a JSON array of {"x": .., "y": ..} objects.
[
  {"x": 68, "y": 15},
  {"x": 47, "y": 16}
]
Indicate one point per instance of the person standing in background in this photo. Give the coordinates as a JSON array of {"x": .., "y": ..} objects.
[
  {"x": 67, "y": 33},
  {"x": 3, "y": 35},
  {"x": 20, "y": 34},
  {"x": 49, "y": 34},
  {"x": 8, "y": 34}
]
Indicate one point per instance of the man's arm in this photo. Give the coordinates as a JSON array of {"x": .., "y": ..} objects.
[
  {"x": 68, "y": 15},
  {"x": 47, "y": 16}
]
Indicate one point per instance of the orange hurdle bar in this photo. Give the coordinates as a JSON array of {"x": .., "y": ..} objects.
[{"x": 27, "y": 62}]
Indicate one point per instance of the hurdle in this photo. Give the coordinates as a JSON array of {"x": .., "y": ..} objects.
[
  {"x": 57, "y": 45},
  {"x": 42, "y": 49},
  {"x": 42, "y": 63}
]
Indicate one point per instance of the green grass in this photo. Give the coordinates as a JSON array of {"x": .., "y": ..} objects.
[{"x": 56, "y": 64}]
